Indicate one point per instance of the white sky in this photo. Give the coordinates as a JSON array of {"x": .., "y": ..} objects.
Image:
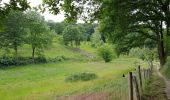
[{"x": 47, "y": 15}]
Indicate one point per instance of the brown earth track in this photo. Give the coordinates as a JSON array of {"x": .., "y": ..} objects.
[{"x": 92, "y": 96}]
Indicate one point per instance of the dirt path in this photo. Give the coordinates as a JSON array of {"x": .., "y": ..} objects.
[
  {"x": 84, "y": 53},
  {"x": 167, "y": 82},
  {"x": 92, "y": 96}
]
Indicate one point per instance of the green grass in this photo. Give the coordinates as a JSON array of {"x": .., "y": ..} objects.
[
  {"x": 53, "y": 51},
  {"x": 154, "y": 89},
  {"x": 47, "y": 81},
  {"x": 166, "y": 69}
]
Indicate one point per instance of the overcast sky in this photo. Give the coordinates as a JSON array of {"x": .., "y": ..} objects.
[{"x": 47, "y": 15}]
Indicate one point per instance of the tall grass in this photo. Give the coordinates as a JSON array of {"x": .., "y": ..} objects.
[{"x": 166, "y": 69}]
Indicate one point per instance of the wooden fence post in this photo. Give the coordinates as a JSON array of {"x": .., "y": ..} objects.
[
  {"x": 140, "y": 78},
  {"x": 147, "y": 73},
  {"x": 130, "y": 86},
  {"x": 144, "y": 74},
  {"x": 136, "y": 88}
]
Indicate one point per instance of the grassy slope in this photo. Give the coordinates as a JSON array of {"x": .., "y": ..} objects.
[
  {"x": 47, "y": 81},
  {"x": 53, "y": 51}
]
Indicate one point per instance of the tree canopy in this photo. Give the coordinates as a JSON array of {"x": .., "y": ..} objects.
[
  {"x": 14, "y": 31},
  {"x": 127, "y": 23},
  {"x": 39, "y": 34}
]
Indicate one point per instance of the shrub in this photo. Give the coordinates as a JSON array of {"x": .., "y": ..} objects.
[
  {"x": 41, "y": 59},
  {"x": 84, "y": 76},
  {"x": 106, "y": 52},
  {"x": 17, "y": 61},
  {"x": 143, "y": 53}
]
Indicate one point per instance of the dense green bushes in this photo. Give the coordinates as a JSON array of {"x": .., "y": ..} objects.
[
  {"x": 85, "y": 76},
  {"x": 106, "y": 52},
  {"x": 144, "y": 53},
  {"x": 17, "y": 61}
]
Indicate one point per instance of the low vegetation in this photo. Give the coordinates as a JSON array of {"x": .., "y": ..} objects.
[
  {"x": 47, "y": 81},
  {"x": 43, "y": 59},
  {"x": 154, "y": 89},
  {"x": 106, "y": 52},
  {"x": 166, "y": 69},
  {"x": 84, "y": 76}
]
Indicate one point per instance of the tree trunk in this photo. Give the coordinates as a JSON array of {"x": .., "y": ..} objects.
[
  {"x": 16, "y": 51},
  {"x": 161, "y": 47},
  {"x": 160, "y": 40},
  {"x": 33, "y": 54},
  {"x": 161, "y": 51},
  {"x": 71, "y": 43}
]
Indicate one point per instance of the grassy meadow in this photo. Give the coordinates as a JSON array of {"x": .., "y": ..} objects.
[{"x": 47, "y": 81}]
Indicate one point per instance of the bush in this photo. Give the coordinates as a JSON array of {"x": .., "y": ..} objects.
[
  {"x": 41, "y": 59},
  {"x": 106, "y": 52},
  {"x": 143, "y": 53},
  {"x": 17, "y": 61},
  {"x": 85, "y": 76}
]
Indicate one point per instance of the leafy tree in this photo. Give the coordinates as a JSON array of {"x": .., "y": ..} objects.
[
  {"x": 87, "y": 29},
  {"x": 15, "y": 5},
  {"x": 39, "y": 35},
  {"x": 106, "y": 52},
  {"x": 127, "y": 23},
  {"x": 58, "y": 27},
  {"x": 96, "y": 39},
  {"x": 14, "y": 31},
  {"x": 72, "y": 34}
]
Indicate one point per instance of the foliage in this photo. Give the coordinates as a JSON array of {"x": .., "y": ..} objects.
[
  {"x": 6, "y": 61},
  {"x": 15, "y": 5},
  {"x": 106, "y": 52},
  {"x": 88, "y": 30},
  {"x": 85, "y": 76},
  {"x": 135, "y": 23},
  {"x": 72, "y": 34},
  {"x": 127, "y": 23},
  {"x": 96, "y": 39},
  {"x": 14, "y": 31},
  {"x": 39, "y": 35},
  {"x": 143, "y": 53},
  {"x": 57, "y": 27}
]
